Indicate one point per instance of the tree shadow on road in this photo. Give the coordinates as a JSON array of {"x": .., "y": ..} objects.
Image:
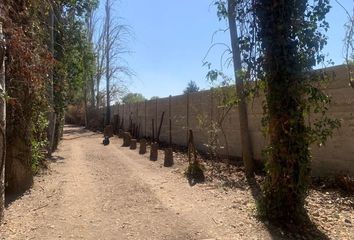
[
  {"x": 56, "y": 159},
  {"x": 306, "y": 230},
  {"x": 74, "y": 130},
  {"x": 12, "y": 197}
]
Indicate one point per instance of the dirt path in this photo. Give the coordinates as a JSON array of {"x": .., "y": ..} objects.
[{"x": 98, "y": 192}]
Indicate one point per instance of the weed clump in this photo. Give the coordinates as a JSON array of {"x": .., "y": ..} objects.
[{"x": 195, "y": 173}]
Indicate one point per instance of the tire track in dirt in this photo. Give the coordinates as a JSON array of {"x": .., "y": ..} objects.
[{"x": 90, "y": 194}]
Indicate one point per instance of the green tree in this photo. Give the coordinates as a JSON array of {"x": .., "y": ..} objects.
[
  {"x": 38, "y": 31},
  {"x": 280, "y": 44},
  {"x": 191, "y": 87},
  {"x": 133, "y": 98},
  {"x": 74, "y": 54},
  {"x": 27, "y": 69},
  {"x": 291, "y": 37}
]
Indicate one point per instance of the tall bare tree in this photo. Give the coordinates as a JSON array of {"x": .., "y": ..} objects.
[
  {"x": 108, "y": 59},
  {"x": 89, "y": 86},
  {"x": 100, "y": 56},
  {"x": 110, "y": 50},
  {"x": 90, "y": 26}
]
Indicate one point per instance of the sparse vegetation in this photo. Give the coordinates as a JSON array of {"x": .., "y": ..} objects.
[
  {"x": 53, "y": 62},
  {"x": 192, "y": 87},
  {"x": 195, "y": 171},
  {"x": 133, "y": 98}
]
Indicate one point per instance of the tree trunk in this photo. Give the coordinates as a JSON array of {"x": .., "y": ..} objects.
[
  {"x": 85, "y": 102},
  {"x": 92, "y": 92},
  {"x": 90, "y": 30},
  {"x": 108, "y": 20},
  {"x": 242, "y": 106},
  {"x": 2, "y": 124},
  {"x": 288, "y": 163},
  {"x": 51, "y": 113},
  {"x": 98, "y": 92}
]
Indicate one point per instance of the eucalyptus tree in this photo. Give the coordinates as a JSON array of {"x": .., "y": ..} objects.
[
  {"x": 230, "y": 10},
  {"x": 90, "y": 29},
  {"x": 72, "y": 52},
  {"x": 239, "y": 76}
]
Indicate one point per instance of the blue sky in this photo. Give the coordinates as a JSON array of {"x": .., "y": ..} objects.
[{"x": 171, "y": 39}]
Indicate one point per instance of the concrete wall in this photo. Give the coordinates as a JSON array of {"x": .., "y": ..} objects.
[{"x": 190, "y": 111}]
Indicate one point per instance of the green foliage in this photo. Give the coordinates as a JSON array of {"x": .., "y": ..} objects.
[
  {"x": 133, "y": 98},
  {"x": 191, "y": 87},
  {"x": 292, "y": 92},
  {"x": 38, "y": 139},
  {"x": 74, "y": 52},
  {"x": 80, "y": 8},
  {"x": 29, "y": 66},
  {"x": 75, "y": 57},
  {"x": 221, "y": 9},
  {"x": 280, "y": 44},
  {"x": 38, "y": 154}
]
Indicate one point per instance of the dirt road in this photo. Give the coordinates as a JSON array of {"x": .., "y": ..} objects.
[{"x": 108, "y": 192}]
